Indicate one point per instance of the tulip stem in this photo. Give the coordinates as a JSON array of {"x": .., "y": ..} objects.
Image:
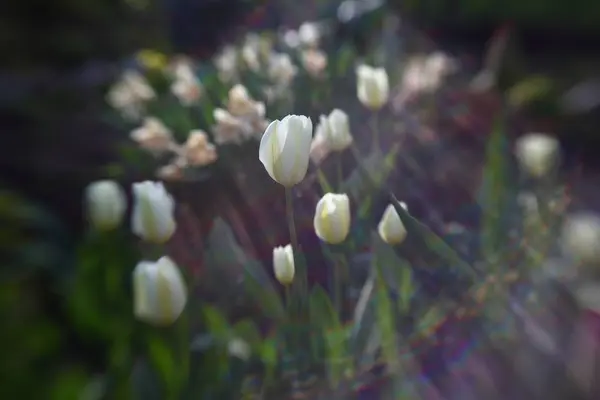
[{"x": 289, "y": 211}]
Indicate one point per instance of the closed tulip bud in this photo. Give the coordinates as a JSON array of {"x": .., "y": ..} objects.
[
  {"x": 159, "y": 292},
  {"x": 581, "y": 238},
  {"x": 332, "y": 218},
  {"x": 537, "y": 153},
  {"x": 373, "y": 86},
  {"x": 334, "y": 130},
  {"x": 106, "y": 204},
  {"x": 152, "y": 218},
  {"x": 283, "y": 264},
  {"x": 390, "y": 228},
  {"x": 285, "y": 149}
]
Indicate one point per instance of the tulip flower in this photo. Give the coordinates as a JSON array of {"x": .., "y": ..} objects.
[
  {"x": 283, "y": 264},
  {"x": 159, "y": 292},
  {"x": 390, "y": 228},
  {"x": 581, "y": 238},
  {"x": 106, "y": 204},
  {"x": 334, "y": 131},
  {"x": 152, "y": 218},
  {"x": 153, "y": 136},
  {"x": 285, "y": 149},
  {"x": 537, "y": 153},
  {"x": 332, "y": 218},
  {"x": 373, "y": 86}
]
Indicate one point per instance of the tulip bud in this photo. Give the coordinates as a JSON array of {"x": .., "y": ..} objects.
[
  {"x": 334, "y": 130},
  {"x": 332, "y": 218},
  {"x": 159, "y": 292},
  {"x": 285, "y": 149},
  {"x": 373, "y": 86},
  {"x": 581, "y": 238},
  {"x": 283, "y": 264},
  {"x": 390, "y": 228},
  {"x": 537, "y": 153},
  {"x": 152, "y": 218},
  {"x": 106, "y": 204}
]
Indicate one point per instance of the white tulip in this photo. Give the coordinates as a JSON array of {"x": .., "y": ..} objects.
[
  {"x": 309, "y": 34},
  {"x": 373, "y": 86},
  {"x": 390, "y": 228},
  {"x": 159, "y": 292},
  {"x": 285, "y": 149},
  {"x": 281, "y": 69},
  {"x": 581, "y": 238},
  {"x": 283, "y": 264},
  {"x": 106, "y": 204},
  {"x": 152, "y": 218},
  {"x": 334, "y": 130},
  {"x": 332, "y": 218},
  {"x": 537, "y": 153}
]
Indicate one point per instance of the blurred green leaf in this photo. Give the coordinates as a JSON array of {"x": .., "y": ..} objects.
[
  {"x": 339, "y": 361},
  {"x": 216, "y": 322},
  {"x": 325, "y": 186},
  {"x": 430, "y": 241},
  {"x": 260, "y": 288},
  {"x": 371, "y": 174},
  {"x": 69, "y": 385},
  {"x": 249, "y": 332},
  {"x": 322, "y": 312},
  {"x": 163, "y": 359}
]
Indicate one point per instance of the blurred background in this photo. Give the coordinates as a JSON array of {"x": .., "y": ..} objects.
[{"x": 535, "y": 64}]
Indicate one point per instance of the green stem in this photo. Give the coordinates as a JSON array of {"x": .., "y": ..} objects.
[{"x": 299, "y": 282}]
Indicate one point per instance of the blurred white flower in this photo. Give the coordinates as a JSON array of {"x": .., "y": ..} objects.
[
  {"x": 170, "y": 172},
  {"x": 372, "y": 86},
  {"x": 239, "y": 348},
  {"x": 227, "y": 64},
  {"x": 281, "y": 69},
  {"x": 186, "y": 86},
  {"x": 537, "y": 153},
  {"x": 153, "y": 136},
  {"x": 315, "y": 62},
  {"x": 291, "y": 38},
  {"x": 198, "y": 151},
  {"x": 283, "y": 264},
  {"x": 159, "y": 292},
  {"x": 243, "y": 119},
  {"x": 334, "y": 131},
  {"x": 106, "y": 204},
  {"x": 332, "y": 218},
  {"x": 152, "y": 217},
  {"x": 309, "y": 34},
  {"x": 130, "y": 94},
  {"x": 390, "y": 228},
  {"x": 581, "y": 238},
  {"x": 285, "y": 149}
]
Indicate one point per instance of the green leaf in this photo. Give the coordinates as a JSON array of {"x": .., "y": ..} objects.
[
  {"x": 339, "y": 361},
  {"x": 322, "y": 312},
  {"x": 495, "y": 199},
  {"x": 163, "y": 359},
  {"x": 260, "y": 288},
  {"x": 386, "y": 320},
  {"x": 371, "y": 173},
  {"x": 216, "y": 323},
  {"x": 430, "y": 241},
  {"x": 249, "y": 332},
  {"x": 364, "y": 329}
]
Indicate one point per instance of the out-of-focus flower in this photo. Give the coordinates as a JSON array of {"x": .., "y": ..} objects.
[
  {"x": 373, "y": 86},
  {"x": 152, "y": 217},
  {"x": 281, "y": 69},
  {"x": 130, "y": 94},
  {"x": 159, "y": 292},
  {"x": 285, "y": 149},
  {"x": 243, "y": 119},
  {"x": 314, "y": 61},
  {"x": 332, "y": 218},
  {"x": 283, "y": 264},
  {"x": 227, "y": 64},
  {"x": 106, "y": 204},
  {"x": 581, "y": 238},
  {"x": 390, "y": 228},
  {"x": 309, "y": 34},
  {"x": 152, "y": 59},
  {"x": 238, "y": 348},
  {"x": 291, "y": 38},
  {"x": 153, "y": 136},
  {"x": 198, "y": 151},
  {"x": 537, "y": 153},
  {"x": 334, "y": 130},
  {"x": 186, "y": 85},
  {"x": 170, "y": 172}
]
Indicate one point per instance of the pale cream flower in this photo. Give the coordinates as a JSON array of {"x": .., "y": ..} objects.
[
  {"x": 130, "y": 94},
  {"x": 152, "y": 218},
  {"x": 198, "y": 150},
  {"x": 281, "y": 69},
  {"x": 105, "y": 204},
  {"x": 314, "y": 61},
  {"x": 332, "y": 218},
  {"x": 537, "y": 153},
  {"x": 227, "y": 64},
  {"x": 283, "y": 264},
  {"x": 153, "y": 136}
]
